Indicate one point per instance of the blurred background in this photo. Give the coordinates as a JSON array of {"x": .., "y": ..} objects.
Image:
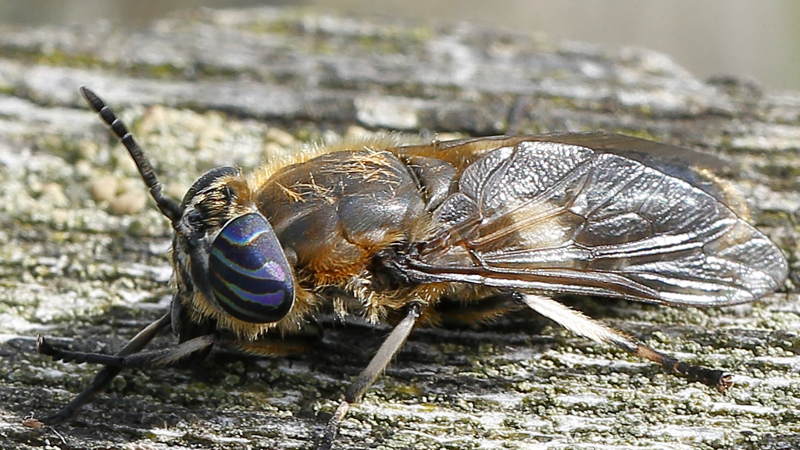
[{"x": 757, "y": 41}]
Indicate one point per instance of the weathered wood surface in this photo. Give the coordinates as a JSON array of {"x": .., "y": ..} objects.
[{"x": 83, "y": 254}]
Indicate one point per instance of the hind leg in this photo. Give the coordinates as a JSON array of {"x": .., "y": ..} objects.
[{"x": 598, "y": 332}]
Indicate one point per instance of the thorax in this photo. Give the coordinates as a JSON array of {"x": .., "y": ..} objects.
[{"x": 332, "y": 214}]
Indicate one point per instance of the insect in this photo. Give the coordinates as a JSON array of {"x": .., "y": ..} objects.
[{"x": 400, "y": 228}]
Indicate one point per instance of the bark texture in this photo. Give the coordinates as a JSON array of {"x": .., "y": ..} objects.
[{"x": 83, "y": 254}]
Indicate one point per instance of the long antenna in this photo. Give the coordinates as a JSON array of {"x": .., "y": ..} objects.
[{"x": 166, "y": 205}]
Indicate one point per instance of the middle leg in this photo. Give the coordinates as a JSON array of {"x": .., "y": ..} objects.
[{"x": 364, "y": 380}]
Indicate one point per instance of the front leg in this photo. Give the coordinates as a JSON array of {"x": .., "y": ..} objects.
[
  {"x": 131, "y": 356},
  {"x": 157, "y": 358},
  {"x": 368, "y": 376},
  {"x": 104, "y": 377}
]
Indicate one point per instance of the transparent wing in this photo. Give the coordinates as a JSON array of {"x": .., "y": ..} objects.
[{"x": 558, "y": 217}]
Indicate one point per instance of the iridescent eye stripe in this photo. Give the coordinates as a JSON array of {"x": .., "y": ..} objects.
[
  {"x": 254, "y": 291},
  {"x": 244, "y": 238},
  {"x": 243, "y": 311},
  {"x": 270, "y": 270},
  {"x": 266, "y": 298},
  {"x": 249, "y": 274}
]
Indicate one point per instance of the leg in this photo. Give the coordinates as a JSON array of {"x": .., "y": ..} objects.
[
  {"x": 584, "y": 326},
  {"x": 158, "y": 358},
  {"x": 104, "y": 377},
  {"x": 365, "y": 379},
  {"x": 271, "y": 345},
  {"x": 454, "y": 313}
]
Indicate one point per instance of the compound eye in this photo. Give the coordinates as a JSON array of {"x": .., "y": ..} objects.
[{"x": 248, "y": 271}]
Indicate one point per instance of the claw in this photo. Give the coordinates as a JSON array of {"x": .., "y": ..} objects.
[{"x": 43, "y": 347}]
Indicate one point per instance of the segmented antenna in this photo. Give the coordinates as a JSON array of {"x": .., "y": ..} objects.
[{"x": 167, "y": 206}]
